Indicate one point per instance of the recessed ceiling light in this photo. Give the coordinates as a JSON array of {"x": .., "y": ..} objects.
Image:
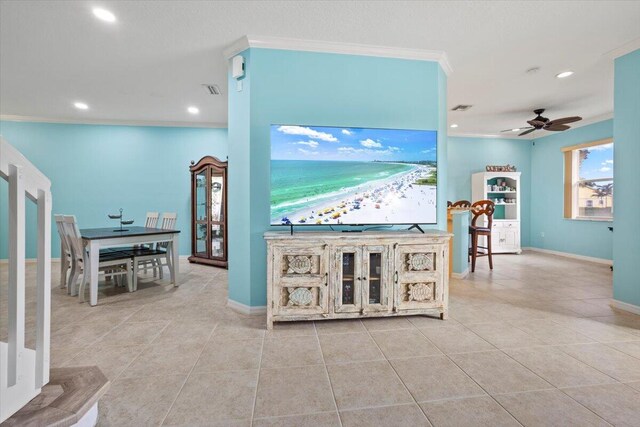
[
  {"x": 104, "y": 14},
  {"x": 193, "y": 110},
  {"x": 515, "y": 130},
  {"x": 454, "y": 126},
  {"x": 81, "y": 105},
  {"x": 564, "y": 74}
]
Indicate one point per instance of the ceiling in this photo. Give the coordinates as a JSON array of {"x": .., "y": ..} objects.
[{"x": 150, "y": 65}]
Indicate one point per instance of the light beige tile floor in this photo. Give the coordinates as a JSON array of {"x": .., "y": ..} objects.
[{"x": 534, "y": 342}]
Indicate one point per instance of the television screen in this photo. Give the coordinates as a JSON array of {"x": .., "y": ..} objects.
[{"x": 354, "y": 176}]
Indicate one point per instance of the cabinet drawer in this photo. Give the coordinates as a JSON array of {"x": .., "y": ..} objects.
[{"x": 506, "y": 224}]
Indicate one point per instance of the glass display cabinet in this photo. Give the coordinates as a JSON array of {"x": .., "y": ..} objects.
[{"x": 209, "y": 212}]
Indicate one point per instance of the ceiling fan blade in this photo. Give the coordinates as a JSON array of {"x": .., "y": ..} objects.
[
  {"x": 536, "y": 123},
  {"x": 527, "y": 131},
  {"x": 516, "y": 129},
  {"x": 557, "y": 128},
  {"x": 564, "y": 120}
]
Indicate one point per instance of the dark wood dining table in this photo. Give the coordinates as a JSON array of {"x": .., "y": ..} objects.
[{"x": 98, "y": 238}]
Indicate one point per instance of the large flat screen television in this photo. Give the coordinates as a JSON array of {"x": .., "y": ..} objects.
[{"x": 353, "y": 176}]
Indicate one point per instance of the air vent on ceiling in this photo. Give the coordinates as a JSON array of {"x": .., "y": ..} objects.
[
  {"x": 212, "y": 89},
  {"x": 461, "y": 107}
]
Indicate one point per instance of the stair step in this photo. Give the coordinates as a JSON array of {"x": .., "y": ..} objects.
[{"x": 69, "y": 395}]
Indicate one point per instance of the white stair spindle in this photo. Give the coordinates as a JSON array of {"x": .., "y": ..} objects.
[{"x": 43, "y": 326}]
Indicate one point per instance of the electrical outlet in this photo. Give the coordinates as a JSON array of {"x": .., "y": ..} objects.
[{"x": 542, "y": 234}]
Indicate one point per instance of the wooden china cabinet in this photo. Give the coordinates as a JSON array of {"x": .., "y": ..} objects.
[{"x": 209, "y": 212}]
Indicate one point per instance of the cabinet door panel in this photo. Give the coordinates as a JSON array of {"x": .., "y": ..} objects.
[
  {"x": 300, "y": 282},
  {"x": 347, "y": 279},
  {"x": 375, "y": 278},
  {"x": 418, "y": 277}
]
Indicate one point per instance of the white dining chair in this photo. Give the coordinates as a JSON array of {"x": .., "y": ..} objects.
[
  {"x": 111, "y": 264},
  {"x": 152, "y": 220},
  {"x": 65, "y": 251},
  {"x": 152, "y": 257}
]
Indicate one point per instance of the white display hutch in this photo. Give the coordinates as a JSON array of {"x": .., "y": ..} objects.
[
  {"x": 333, "y": 275},
  {"x": 503, "y": 188}
]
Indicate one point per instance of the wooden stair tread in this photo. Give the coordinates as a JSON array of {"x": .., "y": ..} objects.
[{"x": 70, "y": 393}]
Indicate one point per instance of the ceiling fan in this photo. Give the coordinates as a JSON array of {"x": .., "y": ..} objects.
[{"x": 544, "y": 123}]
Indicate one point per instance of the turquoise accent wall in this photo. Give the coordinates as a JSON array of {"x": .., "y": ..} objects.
[
  {"x": 97, "y": 169},
  {"x": 626, "y": 158},
  {"x": 467, "y": 156},
  {"x": 461, "y": 242},
  {"x": 239, "y": 195},
  {"x": 588, "y": 238},
  {"x": 292, "y": 87}
]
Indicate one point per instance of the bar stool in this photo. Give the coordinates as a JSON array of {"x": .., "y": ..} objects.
[
  {"x": 479, "y": 208},
  {"x": 461, "y": 204}
]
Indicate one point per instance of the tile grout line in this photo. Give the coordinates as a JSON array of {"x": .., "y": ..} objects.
[
  {"x": 415, "y": 402},
  {"x": 554, "y": 387},
  {"x": 137, "y": 356},
  {"x": 188, "y": 376},
  {"x": 326, "y": 370},
  {"x": 586, "y": 407},
  {"x": 472, "y": 379},
  {"x": 255, "y": 394}
]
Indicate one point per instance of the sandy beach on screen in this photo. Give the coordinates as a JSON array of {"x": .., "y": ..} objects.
[{"x": 397, "y": 200}]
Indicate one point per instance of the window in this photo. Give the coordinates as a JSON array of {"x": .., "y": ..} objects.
[{"x": 588, "y": 180}]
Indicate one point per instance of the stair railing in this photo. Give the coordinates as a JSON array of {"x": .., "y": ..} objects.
[{"x": 24, "y": 371}]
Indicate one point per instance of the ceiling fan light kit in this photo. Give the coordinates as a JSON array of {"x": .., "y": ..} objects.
[{"x": 539, "y": 122}]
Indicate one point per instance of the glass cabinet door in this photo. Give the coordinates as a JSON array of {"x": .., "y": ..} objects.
[
  {"x": 216, "y": 197},
  {"x": 217, "y": 215},
  {"x": 201, "y": 195},
  {"x": 348, "y": 294},
  {"x": 201, "y": 239},
  {"x": 217, "y": 240},
  {"x": 375, "y": 277},
  {"x": 200, "y": 203}
]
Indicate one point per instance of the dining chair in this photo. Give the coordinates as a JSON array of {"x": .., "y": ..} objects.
[
  {"x": 150, "y": 222},
  {"x": 111, "y": 263},
  {"x": 65, "y": 251},
  {"x": 461, "y": 204},
  {"x": 152, "y": 257},
  {"x": 479, "y": 209}
]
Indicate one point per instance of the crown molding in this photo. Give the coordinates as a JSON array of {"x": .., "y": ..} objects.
[
  {"x": 282, "y": 43},
  {"x": 206, "y": 125},
  {"x": 624, "y": 49}
]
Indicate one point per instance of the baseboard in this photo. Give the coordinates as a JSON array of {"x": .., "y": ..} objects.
[
  {"x": 635, "y": 309},
  {"x": 462, "y": 275},
  {"x": 570, "y": 255},
  {"x": 246, "y": 309}
]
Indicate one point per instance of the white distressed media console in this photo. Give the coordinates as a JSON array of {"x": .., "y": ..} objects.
[{"x": 320, "y": 275}]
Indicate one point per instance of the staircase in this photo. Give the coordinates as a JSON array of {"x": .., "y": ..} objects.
[{"x": 23, "y": 371}]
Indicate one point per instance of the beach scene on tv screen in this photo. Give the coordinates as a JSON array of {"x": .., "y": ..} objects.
[{"x": 342, "y": 175}]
